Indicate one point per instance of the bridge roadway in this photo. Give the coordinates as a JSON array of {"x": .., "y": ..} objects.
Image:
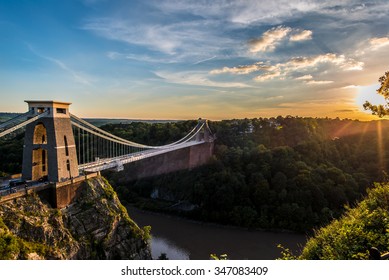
[
  {"x": 118, "y": 162},
  {"x": 6, "y": 190}
]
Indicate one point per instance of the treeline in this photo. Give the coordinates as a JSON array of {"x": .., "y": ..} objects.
[
  {"x": 11, "y": 154},
  {"x": 6, "y": 116},
  {"x": 11, "y": 148},
  {"x": 290, "y": 173},
  {"x": 153, "y": 134}
]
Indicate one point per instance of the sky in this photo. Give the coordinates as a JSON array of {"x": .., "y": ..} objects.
[{"x": 181, "y": 59}]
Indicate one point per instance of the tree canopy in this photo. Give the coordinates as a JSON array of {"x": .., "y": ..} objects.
[
  {"x": 380, "y": 110},
  {"x": 285, "y": 172}
]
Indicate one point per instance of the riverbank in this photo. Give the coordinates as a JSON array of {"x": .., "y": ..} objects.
[{"x": 180, "y": 238}]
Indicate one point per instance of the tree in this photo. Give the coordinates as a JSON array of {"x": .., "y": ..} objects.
[{"x": 380, "y": 110}]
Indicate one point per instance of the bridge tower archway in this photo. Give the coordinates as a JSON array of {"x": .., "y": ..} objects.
[
  {"x": 49, "y": 147},
  {"x": 40, "y": 134},
  {"x": 39, "y": 166}
]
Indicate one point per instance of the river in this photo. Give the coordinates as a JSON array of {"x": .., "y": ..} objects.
[{"x": 182, "y": 239}]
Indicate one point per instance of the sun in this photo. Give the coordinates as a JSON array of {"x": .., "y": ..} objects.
[{"x": 368, "y": 93}]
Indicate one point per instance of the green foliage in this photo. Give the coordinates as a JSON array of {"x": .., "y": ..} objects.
[
  {"x": 286, "y": 253},
  {"x": 382, "y": 109},
  {"x": 10, "y": 246},
  {"x": 146, "y": 233},
  {"x": 296, "y": 177},
  {"x": 11, "y": 153},
  {"x": 109, "y": 192},
  {"x": 360, "y": 228},
  {"x": 151, "y": 133},
  {"x": 13, "y": 247},
  {"x": 222, "y": 257}
]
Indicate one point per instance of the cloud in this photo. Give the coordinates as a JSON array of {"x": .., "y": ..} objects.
[
  {"x": 350, "y": 87},
  {"x": 377, "y": 43},
  {"x": 302, "y": 36},
  {"x": 243, "y": 69},
  {"x": 243, "y": 12},
  {"x": 371, "y": 45},
  {"x": 339, "y": 60},
  {"x": 308, "y": 79},
  {"x": 305, "y": 77},
  {"x": 254, "y": 12},
  {"x": 196, "y": 78},
  {"x": 205, "y": 60},
  {"x": 278, "y": 97},
  {"x": 198, "y": 39},
  {"x": 80, "y": 78},
  {"x": 159, "y": 38},
  {"x": 76, "y": 75},
  {"x": 143, "y": 58},
  {"x": 273, "y": 37},
  {"x": 318, "y": 82},
  {"x": 269, "y": 39},
  {"x": 295, "y": 64},
  {"x": 114, "y": 55},
  {"x": 267, "y": 76}
]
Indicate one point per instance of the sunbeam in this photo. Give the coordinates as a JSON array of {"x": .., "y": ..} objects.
[{"x": 380, "y": 146}]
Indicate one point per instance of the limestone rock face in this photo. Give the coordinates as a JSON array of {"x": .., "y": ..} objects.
[{"x": 95, "y": 226}]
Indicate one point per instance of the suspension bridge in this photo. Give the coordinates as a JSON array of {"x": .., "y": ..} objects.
[{"x": 60, "y": 147}]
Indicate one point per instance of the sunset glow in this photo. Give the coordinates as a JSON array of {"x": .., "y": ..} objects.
[{"x": 181, "y": 59}]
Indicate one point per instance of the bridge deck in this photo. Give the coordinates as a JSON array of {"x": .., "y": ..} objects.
[{"x": 109, "y": 163}]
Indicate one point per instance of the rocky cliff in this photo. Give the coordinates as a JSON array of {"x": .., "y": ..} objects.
[{"x": 95, "y": 226}]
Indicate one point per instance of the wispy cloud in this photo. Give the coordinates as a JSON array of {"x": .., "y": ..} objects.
[
  {"x": 267, "y": 76},
  {"x": 308, "y": 79},
  {"x": 196, "y": 78},
  {"x": 312, "y": 82},
  {"x": 370, "y": 45},
  {"x": 204, "y": 60},
  {"x": 339, "y": 60},
  {"x": 80, "y": 78},
  {"x": 296, "y": 64},
  {"x": 159, "y": 37},
  {"x": 305, "y": 77},
  {"x": 243, "y": 69},
  {"x": 274, "y": 36},
  {"x": 269, "y": 39},
  {"x": 377, "y": 43},
  {"x": 198, "y": 39},
  {"x": 301, "y": 36},
  {"x": 274, "y": 12},
  {"x": 240, "y": 12},
  {"x": 350, "y": 87},
  {"x": 141, "y": 57},
  {"x": 76, "y": 75}
]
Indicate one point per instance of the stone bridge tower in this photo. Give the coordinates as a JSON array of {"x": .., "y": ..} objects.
[{"x": 49, "y": 146}]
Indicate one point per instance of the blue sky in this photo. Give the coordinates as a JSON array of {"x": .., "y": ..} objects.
[{"x": 187, "y": 59}]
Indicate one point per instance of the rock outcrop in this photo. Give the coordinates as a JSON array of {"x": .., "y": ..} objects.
[{"x": 95, "y": 226}]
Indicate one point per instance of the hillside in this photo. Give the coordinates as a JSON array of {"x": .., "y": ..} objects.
[
  {"x": 285, "y": 173},
  {"x": 95, "y": 226},
  {"x": 360, "y": 228}
]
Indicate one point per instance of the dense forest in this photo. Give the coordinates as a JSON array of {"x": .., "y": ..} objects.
[{"x": 285, "y": 172}]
